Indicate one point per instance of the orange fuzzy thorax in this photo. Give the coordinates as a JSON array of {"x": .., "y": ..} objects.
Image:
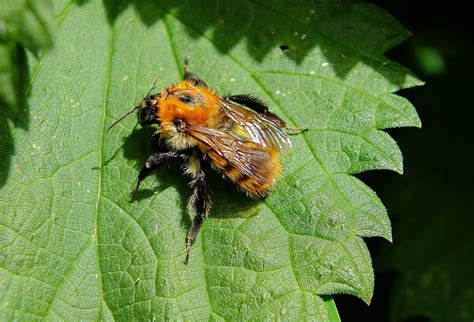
[{"x": 171, "y": 108}]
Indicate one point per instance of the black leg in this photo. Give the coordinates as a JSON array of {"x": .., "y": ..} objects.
[
  {"x": 200, "y": 204},
  {"x": 188, "y": 76},
  {"x": 158, "y": 144},
  {"x": 296, "y": 130},
  {"x": 153, "y": 162}
]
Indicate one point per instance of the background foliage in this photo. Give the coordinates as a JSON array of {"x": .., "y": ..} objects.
[
  {"x": 74, "y": 246},
  {"x": 426, "y": 275}
]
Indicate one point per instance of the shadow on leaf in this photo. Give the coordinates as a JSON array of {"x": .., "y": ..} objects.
[
  {"x": 227, "y": 201},
  {"x": 343, "y": 32}
]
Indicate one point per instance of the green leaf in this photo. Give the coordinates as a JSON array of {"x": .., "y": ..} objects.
[{"x": 75, "y": 247}]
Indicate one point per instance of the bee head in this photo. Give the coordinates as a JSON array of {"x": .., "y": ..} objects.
[{"x": 146, "y": 110}]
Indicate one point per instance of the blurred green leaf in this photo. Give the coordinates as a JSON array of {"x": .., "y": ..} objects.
[
  {"x": 8, "y": 74},
  {"x": 74, "y": 247},
  {"x": 429, "y": 60},
  {"x": 28, "y": 22},
  {"x": 23, "y": 24}
]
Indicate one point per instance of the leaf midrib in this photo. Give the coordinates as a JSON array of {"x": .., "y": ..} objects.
[{"x": 108, "y": 73}]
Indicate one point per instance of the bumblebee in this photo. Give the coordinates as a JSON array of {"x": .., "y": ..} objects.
[{"x": 237, "y": 134}]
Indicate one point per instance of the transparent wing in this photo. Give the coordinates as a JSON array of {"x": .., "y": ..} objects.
[
  {"x": 251, "y": 158},
  {"x": 261, "y": 128}
]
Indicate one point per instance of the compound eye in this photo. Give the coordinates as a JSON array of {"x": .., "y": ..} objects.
[
  {"x": 189, "y": 100},
  {"x": 179, "y": 124},
  {"x": 146, "y": 116}
]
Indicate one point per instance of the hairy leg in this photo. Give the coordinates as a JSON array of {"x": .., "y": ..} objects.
[
  {"x": 154, "y": 161},
  {"x": 199, "y": 204}
]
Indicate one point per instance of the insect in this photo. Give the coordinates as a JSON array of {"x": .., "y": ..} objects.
[{"x": 237, "y": 134}]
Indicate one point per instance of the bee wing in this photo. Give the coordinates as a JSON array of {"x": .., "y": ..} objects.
[
  {"x": 249, "y": 157},
  {"x": 261, "y": 128}
]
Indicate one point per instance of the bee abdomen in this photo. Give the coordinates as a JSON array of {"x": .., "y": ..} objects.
[
  {"x": 266, "y": 173},
  {"x": 232, "y": 172},
  {"x": 253, "y": 187}
]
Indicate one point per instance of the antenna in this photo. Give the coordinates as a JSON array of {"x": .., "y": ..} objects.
[
  {"x": 135, "y": 108},
  {"x": 120, "y": 119},
  {"x": 153, "y": 87}
]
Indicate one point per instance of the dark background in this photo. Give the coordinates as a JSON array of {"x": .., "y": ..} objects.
[{"x": 427, "y": 273}]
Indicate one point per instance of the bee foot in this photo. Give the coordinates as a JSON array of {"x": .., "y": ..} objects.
[{"x": 297, "y": 130}]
